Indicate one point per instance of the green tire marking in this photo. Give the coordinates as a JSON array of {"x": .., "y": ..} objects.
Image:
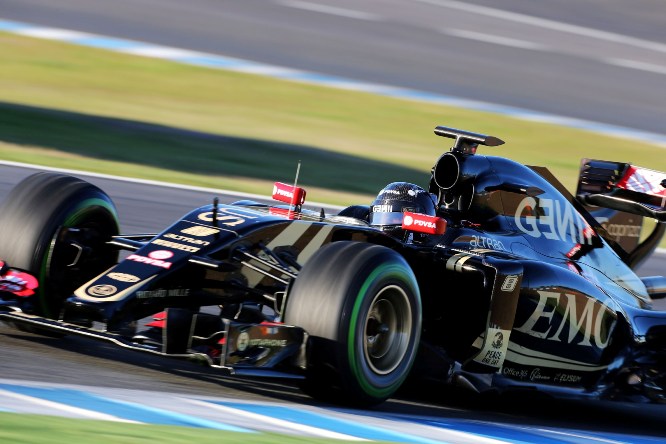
[
  {"x": 392, "y": 270},
  {"x": 70, "y": 220}
]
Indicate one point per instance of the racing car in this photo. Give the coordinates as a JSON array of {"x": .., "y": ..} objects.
[{"x": 491, "y": 277}]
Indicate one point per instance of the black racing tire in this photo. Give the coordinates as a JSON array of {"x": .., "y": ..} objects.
[
  {"x": 360, "y": 305},
  {"x": 56, "y": 227}
]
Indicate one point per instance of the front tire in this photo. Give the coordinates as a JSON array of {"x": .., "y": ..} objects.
[
  {"x": 361, "y": 307},
  {"x": 56, "y": 227}
]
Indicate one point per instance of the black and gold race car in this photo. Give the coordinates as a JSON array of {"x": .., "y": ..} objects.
[{"x": 490, "y": 277}]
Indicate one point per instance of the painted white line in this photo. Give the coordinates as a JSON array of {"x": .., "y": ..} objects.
[
  {"x": 163, "y": 52},
  {"x": 322, "y": 433},
  {"x": 494, "y": 39},
  {"x": 549, "y": 24},
  {"x": 154, "y": 182},
  {"x": 632, "y": 64},
  {"x": 332, "y": 10},
  {"x": 56, "y": 406},
  {"x": 54, "y": 34}
]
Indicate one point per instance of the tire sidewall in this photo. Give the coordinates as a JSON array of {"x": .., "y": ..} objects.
[
  {"x": 393, "y": 271},
  {"x": 330, "y": 299},
  {"x": 89, "y": 205}
]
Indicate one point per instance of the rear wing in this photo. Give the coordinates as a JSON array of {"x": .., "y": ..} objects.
[
  {"x": 623, "y": 187},
  {"x": 618, "y": 195}
]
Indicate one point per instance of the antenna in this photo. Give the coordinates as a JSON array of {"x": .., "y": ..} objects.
[{"x": 293, "y": 197}]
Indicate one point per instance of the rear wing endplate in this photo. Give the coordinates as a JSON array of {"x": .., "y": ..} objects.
[{"x": 623, "y": 187}]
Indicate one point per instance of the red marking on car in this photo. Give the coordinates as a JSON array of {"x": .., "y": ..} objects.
[
  {"x": 159, "y": 320},
  {"x": 288, "y": 193},
  {"x": 423, "y": 223},
  {"x": 149, "y": 261},
  {"x": 643, "y": 180},
  {"x": 284, "y": 212},
  {"x": 18, "y": 283}
]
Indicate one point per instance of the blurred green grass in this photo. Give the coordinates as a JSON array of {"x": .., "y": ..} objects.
[
  {"x": 38, "y": 429},
  {"x": 75, "y": 107}
]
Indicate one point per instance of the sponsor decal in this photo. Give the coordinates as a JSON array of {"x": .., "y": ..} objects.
[
  {"x": 566, "y": 378},
  {"x": 556, "y": 221},
  {"x": 495, "y": 347},
  {"x": 536, "y": 376},
  {"x": 175, "y": 245},
  {"x": 580, "y": 320},
  {"x": 515, "y": 373},
  {"x": 619, "y": 231},
  {"x": 510, "y": 283},
  {"x": 498, "y": 340},
  {"x": 160, "y": 254},
  {"x": 189, "y": 240},
  {"x": 227, "y": 217},
  {"x": 390, "y": 191},
  {"x": 643, "y": 180},
  {"x": 163, "y": 293},
  {"x": 423, "y": 223},
  {"x": 149, "y": 260},
  {"x": 123, "y": 277},
  {"x": 382, "y": 208},
  {"x": 18, "y": 282},
  {"x": 243, "y": 341},
  {"x": 102, "y": 290},
  {"x": 268, "y": 343},
  {"x": 199, "y": 231},
  {"x": 486, "y": 243},
  {"x": 288, "y": 194}
]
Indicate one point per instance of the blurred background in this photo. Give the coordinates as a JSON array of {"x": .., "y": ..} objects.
[{"x": 583, "y": 67}]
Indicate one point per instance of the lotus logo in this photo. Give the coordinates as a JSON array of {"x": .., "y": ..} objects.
[
  {"x": 123, "y": 277},
  {"x": 102, "y": 290}
]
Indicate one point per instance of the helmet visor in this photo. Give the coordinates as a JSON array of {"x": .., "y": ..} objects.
[{"x": 381, "y": 218}]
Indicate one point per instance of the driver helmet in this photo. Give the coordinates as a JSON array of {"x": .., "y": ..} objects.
[{"x": 396, "y": 198}]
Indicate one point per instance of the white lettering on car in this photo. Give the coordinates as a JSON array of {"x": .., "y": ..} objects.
[
  {"x": 486, "y": 243},
  {"x": 590, "y": 321},
  {"x": 228, "y": 217},
  {"x": 557, "y": 221}
]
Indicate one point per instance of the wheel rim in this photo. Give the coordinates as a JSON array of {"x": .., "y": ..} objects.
[{"x": 388, "y": 326}]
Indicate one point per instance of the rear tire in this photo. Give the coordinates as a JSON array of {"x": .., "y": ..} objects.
[
  {"x": 56, "y": 227},
  {"x": 361, "y": 307}
]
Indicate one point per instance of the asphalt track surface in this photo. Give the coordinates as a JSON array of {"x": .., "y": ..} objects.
[
  {"x": 588, "y": 59},
  {"x": 146, "y": 208}
]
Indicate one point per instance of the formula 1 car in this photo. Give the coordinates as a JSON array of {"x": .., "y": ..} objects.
[{"x": 506, "y": 281}]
